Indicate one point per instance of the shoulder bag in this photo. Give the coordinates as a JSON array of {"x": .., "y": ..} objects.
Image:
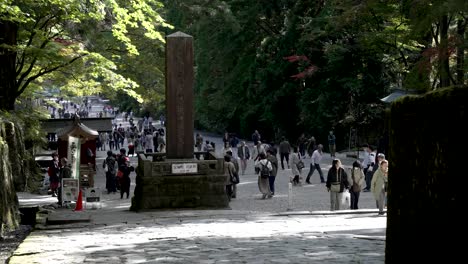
[{"x": 300, "y": 165}]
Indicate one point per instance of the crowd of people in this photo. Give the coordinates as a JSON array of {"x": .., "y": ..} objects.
[
  {"x": 368, "y": 175},
  {"x": 344, "y": 185},
  {"x": 145, "y": 138}
]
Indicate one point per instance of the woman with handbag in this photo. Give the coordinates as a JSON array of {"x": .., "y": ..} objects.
[
  {"x": 295, "y": 169},
  {"x": 337, "y": 183}
]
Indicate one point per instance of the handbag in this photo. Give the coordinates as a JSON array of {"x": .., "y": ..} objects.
[
  {"x": 300, "y": 165},
  {"x": 345, "y": 200},
  {"x": 119, "y": 173}
]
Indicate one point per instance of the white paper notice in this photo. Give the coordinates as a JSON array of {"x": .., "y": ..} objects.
[{"x": 182, "y": 168}]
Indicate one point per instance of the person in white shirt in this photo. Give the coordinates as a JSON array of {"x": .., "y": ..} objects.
[
  {"x": 315, "y": 164},
  {"x": 244, "y": 154},
  {"x": 149, "y": 142},
  {"x": 368, "y": 165}
]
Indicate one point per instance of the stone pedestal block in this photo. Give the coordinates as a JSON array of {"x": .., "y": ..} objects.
[{"x": 179, "y": 183}]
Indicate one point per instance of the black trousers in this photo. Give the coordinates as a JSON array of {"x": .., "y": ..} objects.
[
  {"x": 284, "y": 156},
  {"x": 354, "y": 199}
]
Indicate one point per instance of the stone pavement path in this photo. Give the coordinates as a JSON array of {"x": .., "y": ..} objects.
[
  {"x": 251, "y": 231},
  {"x": 210, "y": 237}
]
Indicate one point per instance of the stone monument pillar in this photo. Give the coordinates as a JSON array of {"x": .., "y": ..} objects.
[
  {"x": 179, "y": 96},
  {"x": 176, "y": 179}
]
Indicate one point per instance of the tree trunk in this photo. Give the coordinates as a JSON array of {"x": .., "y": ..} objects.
[
  {"x": 461, "y": 52},
  {"x": 444, "y": 68},
  {"x": 8, "y": 85}
]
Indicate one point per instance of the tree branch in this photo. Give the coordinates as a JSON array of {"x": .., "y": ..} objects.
[
  {"x": 45, "y": 71},
  {"x": 23, "y": 55},
  {"x": 33, "y": 62}
]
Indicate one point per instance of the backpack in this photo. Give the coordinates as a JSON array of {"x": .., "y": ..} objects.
[{"x": 264, "y": 171}]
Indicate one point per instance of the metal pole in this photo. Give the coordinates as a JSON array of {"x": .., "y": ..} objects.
[{"x": 290, "y": 201}]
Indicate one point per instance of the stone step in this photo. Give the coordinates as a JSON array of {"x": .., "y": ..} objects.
[{"x": 65, "y": 217}]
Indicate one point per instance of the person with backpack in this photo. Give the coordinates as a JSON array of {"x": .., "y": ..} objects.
[
  {"x": 264, "y": 169},
  {"x": 271, "y": 156},
  {"x": 110, "y": 168}
]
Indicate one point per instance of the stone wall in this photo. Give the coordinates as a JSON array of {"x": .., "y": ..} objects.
[{"x": 9, "y": 217}]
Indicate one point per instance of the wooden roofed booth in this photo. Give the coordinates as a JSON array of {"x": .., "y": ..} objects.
[{"x": 77, "y": 143}]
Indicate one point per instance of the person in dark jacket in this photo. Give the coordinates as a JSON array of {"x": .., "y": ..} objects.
[
  {"x": 125, "y": 179},
  {"x": 111, "y": 168},
  {"x": 284, "y": 150},
  {"x": 54, "y": 174},
  {"x": 337, "y": 182},
  {"x": 271, "y": 156}
]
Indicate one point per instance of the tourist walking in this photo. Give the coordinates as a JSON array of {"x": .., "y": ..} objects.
[
  {"x": 301, "y": 143},
  {"x": 295, "y": 170},
  {"x": 110, "y": 167},
  {"x": 54, "y": 174},
  {"x": 368, "y": 164},
  {"x": 258, "y": 149},
  {"x": 378, "y": 185},
  {"x": 234, "y": 174},
  {"x": 264, "y": 169},
  {"x": 256, "y": 137},
  {"x": 125, "y": 179},
  {"x": 274, "y": 163},
  {"x": 337, "y": 184},
  {"x": 284, "y": 150},
  {"x": 357, "y": 184},
  {"x": 315, "y": 164},
  {"x": 332, "y": 143},
  {"x": 311, "y": 146},
  {"x": 244, "y": 154},
  {"x": 229, "y": 169}
]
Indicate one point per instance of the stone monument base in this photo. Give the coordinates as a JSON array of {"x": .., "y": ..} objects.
[{"x": 185, "y": 183}]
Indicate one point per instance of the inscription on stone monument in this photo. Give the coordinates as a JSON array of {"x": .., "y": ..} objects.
[{"x": 182, "y": 168}]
